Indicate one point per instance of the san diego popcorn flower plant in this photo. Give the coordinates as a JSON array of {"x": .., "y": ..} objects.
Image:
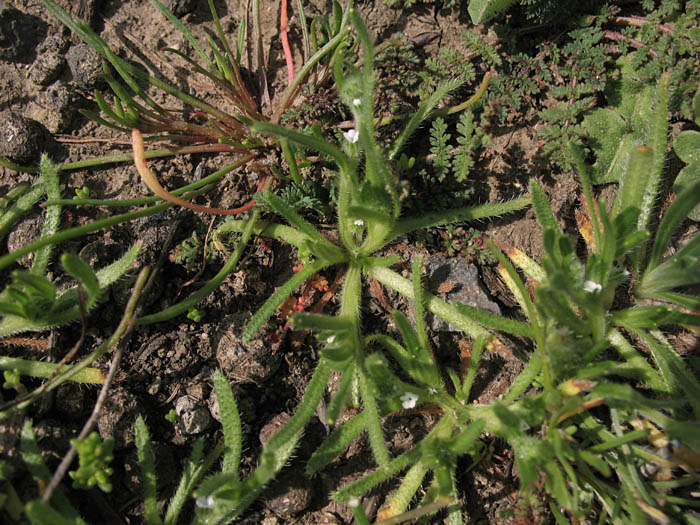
[{"x": 602, "y": 396}]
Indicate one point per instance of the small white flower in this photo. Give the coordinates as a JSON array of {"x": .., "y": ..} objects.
[
  {"x": 330, "y": 339},
  {"x": 353, "y": 502},
  {"x": 205, "y": 502},
  {"x": 359, "y": 222},
  {"x": 356, "y": 101},
  {"x": 592, "y": 287},
  {"x": 408, "y": 400},
  {"x": 351, "y": 136}
]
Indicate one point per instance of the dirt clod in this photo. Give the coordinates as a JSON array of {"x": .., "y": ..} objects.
[
  {"x": 290, "y": 494},
  {"x": 60, "y": 104},
  {"x": 21, "y": 139},
  {"x": 252, "y": 363},
  {"x": 180, "y": 7},
  {"x": 118, "y": 417},
  {"x": 85, "y": 65},
  {"x": 50, "y": 60}
]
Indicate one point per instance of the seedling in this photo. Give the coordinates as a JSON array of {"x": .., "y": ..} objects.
[{"x": 94, "y": 455}]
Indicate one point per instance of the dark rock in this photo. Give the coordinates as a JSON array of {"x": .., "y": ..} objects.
[
  {"x": 85, "y": 65},
  {"x": 454, "y": 279},
  {"x": 22, "y": 140},
  {"x": 180, "y": 7},
  {"x": 61, "y": 104},
  {"x": 19, "y": 33},
  {"x": 289, "y": 495},
  {"x": 50, "y": 60}
]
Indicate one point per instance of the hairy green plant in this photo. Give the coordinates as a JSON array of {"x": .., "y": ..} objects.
[
  {"x": 31, "y": 301},
  {"x": 369, "y": 208},
  {"x": 564, "y": 455},
  {"x": 603, "y": 395},
  {"x": 613, "y": 132}
]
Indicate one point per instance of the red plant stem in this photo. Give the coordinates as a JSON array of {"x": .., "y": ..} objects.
[
  {"x": 152, "y": 182},
  {"x": 285, "y": 44}
]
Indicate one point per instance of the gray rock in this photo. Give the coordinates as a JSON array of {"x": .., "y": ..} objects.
[
  {"x": 454, "y": 279},
  {"x": 22, "y": 140}
]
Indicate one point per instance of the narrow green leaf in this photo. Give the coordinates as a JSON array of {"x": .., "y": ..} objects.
[
  {"x": 419, "y": 116},
  {"x": 52, "y": 217},
  {"x": 468, "y": 213},
  {"x": 634, "y": 181},
  {"x": 268, "y": 309},
  {"x": 186, "y": 32},
  {"x": 39, "y": 513},
  {"x": 79, "y": 269},
  {"x": 475, "y": 358},
  {"x": 230, "y": 423},
  {"x": 319, "y": 322},
  {"x": 465, "y": 439},
  {"x": 336, "y": 442},
  {"x": 305, "y": 140},
  {"x": 374, "y": 426},
  {"x": 540, "y": 202},
  {"x": 680, "y": 380},
  {"x": 147, "y": 464},
  {"x": 190, "y": 476},
  {"x": 499, "y": 322},
  {"x": 339, "y": 399},
  {"x": 33, "y": 460},
  {"x": 676, "y": 213},
  {"x": 418, "y": 306},
  {"x": 35, "y": 284}
]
